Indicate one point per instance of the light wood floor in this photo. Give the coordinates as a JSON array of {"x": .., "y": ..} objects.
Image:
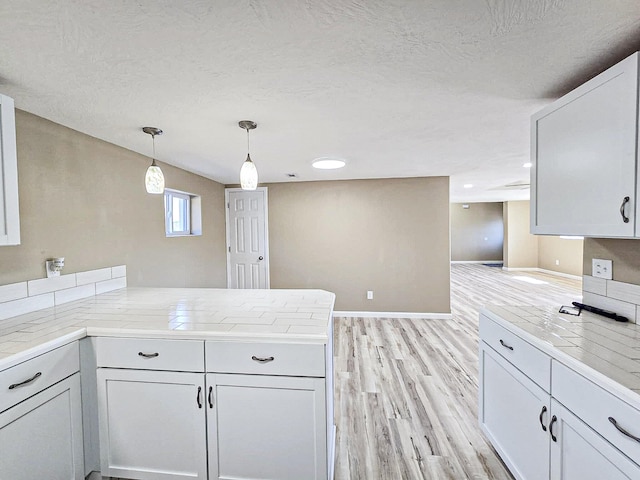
[{"x": 406, "y": 389}]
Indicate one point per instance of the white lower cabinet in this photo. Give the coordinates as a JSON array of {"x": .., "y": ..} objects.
[
  {"x": 255, "y": 421},
  {"x": 266, "y": 427},
  {"x": 514, "y": 412},
  {"x": 152, "y": 424},
  {"x": 536, "y": 435},
  {"x": 41, "y": 437},
  {"x": 579, "y": 453}
]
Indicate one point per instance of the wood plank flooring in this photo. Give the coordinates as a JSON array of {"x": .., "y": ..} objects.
[{"x": 406, "y": 389}]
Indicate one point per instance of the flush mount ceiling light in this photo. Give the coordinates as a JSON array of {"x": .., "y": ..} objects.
[
  {"x": 468, "y": 185},
  {"x": 528, "y": 165},
  {"x": 328, "y": 163},
  {"x": 154, "y": 179},
  {"x": 248, "y": 172}
]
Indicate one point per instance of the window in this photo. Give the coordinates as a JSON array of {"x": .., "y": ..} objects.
[{"x": 182, "y": 213}]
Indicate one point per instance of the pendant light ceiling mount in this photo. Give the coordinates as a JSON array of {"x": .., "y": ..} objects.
[
  {"x": 154, "y": 179},
  {"x": 248, "y": 172},
  {"x": 245, "y": 124},
  {"x": 153, "y": 131}
]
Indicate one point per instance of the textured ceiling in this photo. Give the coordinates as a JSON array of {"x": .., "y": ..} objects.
[{"x": 397, "y": 88}]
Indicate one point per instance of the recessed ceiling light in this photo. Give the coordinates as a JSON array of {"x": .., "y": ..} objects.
[
  {"x": 528, "y": 165},
  {"x": 328, "y": 163},
  {"x": 468, "y": 185}
]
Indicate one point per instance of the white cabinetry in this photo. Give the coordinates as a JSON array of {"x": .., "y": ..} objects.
[
  {"x": 152, "y": 424},
  {"x": 584, "y": 155},
  {"x": 152, "y": 420},
  {"x": 266, "y": 427},
  {"x": 269, "y": 404},
  {"x": 562, "y": 435},
  {"x": 259, "y": 413},
  {"x": 9, "y": 210},
  {"x": 41, "y": 434},
  {"x": 514, "y": 413},
  {"x": 579, "y": 453}
]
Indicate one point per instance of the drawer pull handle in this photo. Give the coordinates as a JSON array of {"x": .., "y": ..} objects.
[
  {"x": 210, "y": 397},
  {"x": 199, "y": 397},
  {"x": 148, "y": 355},
  {"x": 263, "y": 359},
  {"x": 554, "y": 419},
  {"x": 544, "y": 427},
  {"x": 625, "y": 219},
  {"x": 622, "y": 430},
  {"x": 28, "y": 380},
  {"x": 505, "y": 345}
]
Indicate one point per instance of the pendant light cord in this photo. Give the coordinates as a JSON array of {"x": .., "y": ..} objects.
[{"x": 248, "y": 141}]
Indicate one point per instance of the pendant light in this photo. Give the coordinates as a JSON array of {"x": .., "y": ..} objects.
[
  {"x": 248, "y": 172},
  {"x": 154, "y": 180}
]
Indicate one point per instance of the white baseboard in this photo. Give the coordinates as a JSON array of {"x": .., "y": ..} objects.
[
  {"x": 477, "y": 261},
  {"x": 542, "y": 270},
  {"x": 437, "y": 316}
]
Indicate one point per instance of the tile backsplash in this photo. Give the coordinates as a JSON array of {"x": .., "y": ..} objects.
[
  {"x": 25, "y": 297},
  {"x": 619, "y": 297}
]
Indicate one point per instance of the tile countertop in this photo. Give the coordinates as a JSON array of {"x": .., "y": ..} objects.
[
  {"x": 290, "y": 316},
  {"x": 606, "y": 351}
]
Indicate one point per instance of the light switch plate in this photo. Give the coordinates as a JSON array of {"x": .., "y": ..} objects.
[{"x": 602, "y": 268}]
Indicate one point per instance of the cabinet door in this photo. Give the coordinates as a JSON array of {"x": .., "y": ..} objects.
[
  {"x": 152, "y": 424},
  {"x": 266, "y": 427},
  {"x": 583, "y": 148},
  {"x": 514, "y": 413},
  {"x": 579, "y": 453},
  {"x": 42, "y": 436},
  {"x": 9, "y": 210}
]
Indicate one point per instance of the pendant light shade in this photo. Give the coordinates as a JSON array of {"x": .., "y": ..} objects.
[
  {"x": 248, "y": 175},
  {"x": 248, "y": 171},
  {"x": 154, "y": 179}
]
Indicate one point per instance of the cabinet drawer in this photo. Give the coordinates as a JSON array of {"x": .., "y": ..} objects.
[
  {"x": 266, "y": 358},
  {"x": 45, "y": 370},
  {"x": 150, "y": 354},
  {"x": 528, "y": 359},
  {"x": 594, "y": 405}
]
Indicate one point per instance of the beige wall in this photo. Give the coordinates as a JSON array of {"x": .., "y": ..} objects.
[
  {"x": 390, "y": 236},
  {"x": 477, "y": 232},
  {"x": 84, "y": 199},
  {"x": 523, "y": 250},
  {"x": 568, "y": 252},
  {"x": 520, "y": 247},
  {"x": 624, "y": 253}
]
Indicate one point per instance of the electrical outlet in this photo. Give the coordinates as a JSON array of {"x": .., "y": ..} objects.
[
  {"x": 369, "y": 294},
  {"x": 557, "y": 262},
  {"x": 602, "y": 268}
]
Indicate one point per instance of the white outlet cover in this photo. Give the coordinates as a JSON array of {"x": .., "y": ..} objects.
[{"x": 602, "y": 268}]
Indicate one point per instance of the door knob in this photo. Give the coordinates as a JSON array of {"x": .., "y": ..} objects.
[{"x": 260, "y": 257}]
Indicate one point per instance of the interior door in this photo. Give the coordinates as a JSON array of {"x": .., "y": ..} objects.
[{"x": 247, "y": 238}]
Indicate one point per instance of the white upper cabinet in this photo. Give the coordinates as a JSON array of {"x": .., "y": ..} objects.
[
  {"x": 584, "y": 155},
  {"x": 9, "y": 212}
]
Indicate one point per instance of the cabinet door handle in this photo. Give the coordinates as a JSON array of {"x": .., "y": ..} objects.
[
  {"x": 554, "y": 419},
  {"x": 210, "y": 397},
  {"x": 544, "y": 427},
  {"x": 625, "y": 200},
  {"x": 199, "y": 397},
  {"x": 263, "y": 359},
  {"x": 505, "y": 345},
  {"x": 148, "y": 355},
  {"x": 622, "y": 430},
  {"x": 25, "y": 382}
]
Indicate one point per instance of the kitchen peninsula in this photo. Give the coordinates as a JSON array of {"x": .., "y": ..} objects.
[{"x": 183, "y": 383}]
